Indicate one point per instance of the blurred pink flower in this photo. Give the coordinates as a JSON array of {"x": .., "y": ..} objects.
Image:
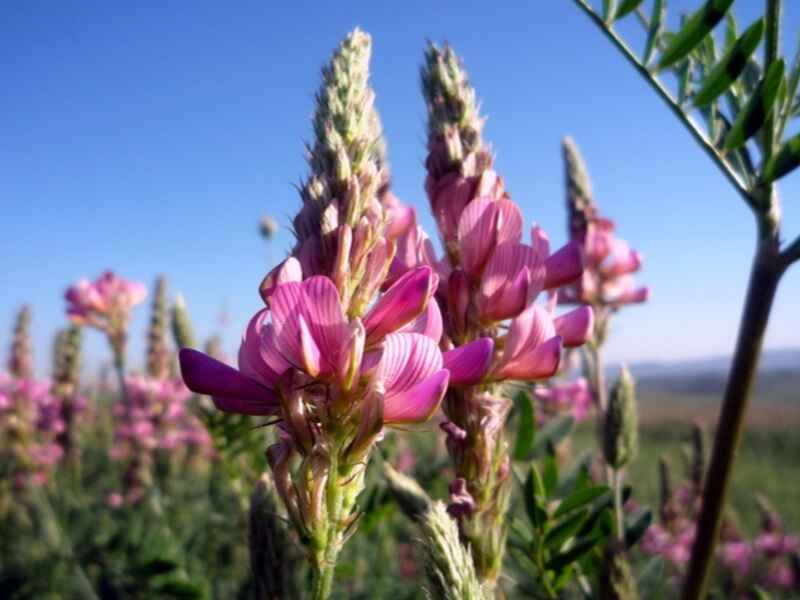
[
  {"x": 104, "y": 300},
  {"x": 573, "y": 397}
]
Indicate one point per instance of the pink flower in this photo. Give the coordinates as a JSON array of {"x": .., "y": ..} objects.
[
  {"x": 104, "y": 300},
  {"x": 609, "y": 264},
  {"x": 737, "y": 556},
  {"x": 774, "y": 544},
  {"x": 573, "y": 396},
  {"x": 306, "y": 332}
]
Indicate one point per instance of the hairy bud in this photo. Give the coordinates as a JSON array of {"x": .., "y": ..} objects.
[
  {"x": 20, "y": 361},
  {"x": 620, "y": 434}
]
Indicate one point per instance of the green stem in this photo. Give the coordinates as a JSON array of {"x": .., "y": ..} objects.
[
  {"x": 764, "y": 279},
  {"x": 692, "y": 127},
  {"x": 325, "y": 557},
  {"x": 618, "y": 512}
]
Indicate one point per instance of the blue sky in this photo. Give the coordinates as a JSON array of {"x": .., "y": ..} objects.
[{"x": 150, "y": 138}]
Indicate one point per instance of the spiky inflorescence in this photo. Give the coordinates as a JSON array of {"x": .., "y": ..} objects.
[
  {"x": 66, "y": 373},
  {"x": 408, "y": 494},
  {"x": 346, "y": 158},
  {"x": 158, "y": 356},
  {"x": 621, "y": 429},
  {"x": 454, "y": 120},
  {"x": 182, "y": 331},
  {"x": 698, "y": 465},
  {"x": 20, "y": 361},
  {"x": 449, "y": 564},
  {"x": 580, "y": 200}
]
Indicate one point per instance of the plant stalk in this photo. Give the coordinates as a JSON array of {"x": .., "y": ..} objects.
[{"x": 764, "y": 277}]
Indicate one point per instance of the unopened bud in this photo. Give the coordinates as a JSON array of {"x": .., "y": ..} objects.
[
  {"x": 182, "y": 330},
  {"x": 20, "y": 362},
  {"x": 620, "y": 435}
]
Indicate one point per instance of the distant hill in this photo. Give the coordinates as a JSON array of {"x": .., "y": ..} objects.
[{"x": 787, "y": 359}]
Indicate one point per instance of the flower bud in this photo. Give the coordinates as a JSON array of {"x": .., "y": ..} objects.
[
  {"x": 182, "y": 331},
  {"x": 620, "y": 434},
  {"x": 20, "y": 362}
]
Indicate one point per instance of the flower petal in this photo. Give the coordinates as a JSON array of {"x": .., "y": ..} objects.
[
  {"x": 469, "y": 363},
  {"x": 251, "y": 363},
  {"x": 477, "y": 233},
  {"x": 232, "y": 391},
  {"x": 564, "y": 266},
  {"x": 418, "y": 404},
  {"x": 407, "y": 359},
  {"x": 288, "y": 270},
  {"x": 401, "y": 304},
  {"x": 576, "y": 326},
  {"x": 429, "y": 323},
  {"x": 508, "y": 301},
  {"x": 540, "y": 362},
  {"x": 532, "y": 327}
]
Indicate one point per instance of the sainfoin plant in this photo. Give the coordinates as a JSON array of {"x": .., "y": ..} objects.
[{"x": 409, "y": 404}]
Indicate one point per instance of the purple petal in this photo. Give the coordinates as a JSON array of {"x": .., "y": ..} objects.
[
  {"x": 325, "y": 319},
  {"x": 576, "y": 326},
  {"x": 418, "y": 404},
  {"x": 402, "y": 303},
  {"x": 232, "y": 391},
  {"x": 469, "y": 363},
  {"x": 250, "y": 361},
  {"x": 564, "y": 266}
]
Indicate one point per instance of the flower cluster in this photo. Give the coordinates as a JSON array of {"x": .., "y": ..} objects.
[
  {"x": 105, "y": 304},
  {"x": 489, "y": 282},
  {"x": 609, "y": 261},
  {"x": 30, "y": 422},
  {"x": 339, "y": 351},
  {"x": 558, "y": 397}
]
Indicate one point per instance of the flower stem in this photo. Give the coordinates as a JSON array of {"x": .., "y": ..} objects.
[{"x": 765, "y": 275}]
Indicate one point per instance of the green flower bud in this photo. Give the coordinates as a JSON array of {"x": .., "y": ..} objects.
[{"x": 620, "y": 434}]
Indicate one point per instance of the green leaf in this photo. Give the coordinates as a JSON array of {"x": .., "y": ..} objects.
[
  {"x": 526, "y": 425},
  {"x": 784, "y": 161},
  {"x": 761, "y": 593},
  {"x": 565, "y": 530},
  {"x": 551, "y": 434},
  {"x": 731, "y": 30},
  {"x": 550, "y": 475},
  {"x": 608, "y": 10},
  {"x": 564, "y": 559},
  {"x": 158, "y": 566},
  {"x": 652, "y": 574},
  {"x": 534, "y": 499},
  {"x": 627, "y": 7},
  {"x": 692, "y": 33},
  {"x": 635, "y": 531},
  {"x": 656, "y": 27},
  {"x": 731, "y": 66},
  {"x": 179, "y": 589},
  {"x": 758, "y": 108},
  {"x": 580, "y": 498},
  {"x": 576, "y": 477}
]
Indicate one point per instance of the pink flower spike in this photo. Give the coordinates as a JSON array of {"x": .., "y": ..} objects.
[
  {"x": 401, "y": 304},
  {"x": 469, "y": 363},
  {"x": 288, "y": 270},
  {"x": 232, "y": 391},
  {"x": 576, "y": 326},
  {"x": 418, "y": 404},
  {"x": 564, "y": 266}
]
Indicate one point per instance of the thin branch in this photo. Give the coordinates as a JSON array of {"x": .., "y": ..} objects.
[
  {"x": 695, "y": 131},
  {"x": 791, "y": 253}
]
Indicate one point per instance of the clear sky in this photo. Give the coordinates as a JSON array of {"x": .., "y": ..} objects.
[{"x": 151, "y": 136}]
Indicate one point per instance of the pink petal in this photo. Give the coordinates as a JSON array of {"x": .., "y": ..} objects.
[
  {"x": 540, "y": 362},
  {"x": 326, "y": 321},
  {"x": 505, "y": 264},
  {"x": 401, "y": 216},
  {"x": 408, "y": 358},
  {"x": 286, "y": 303},
  {"x": 477, "y": 234},
  {"x": 532, "y": 327},
  {"x": 401, "y": 304},
  {"x": 309, "y": 350},
  {"x": 564, "y": 266},
  {"x": 540, "y": 242},
  {"x": 508, "y": 301},
  {"x": 250, "y": 361},
  {"x": 509, "y": 221},
  {"x": 429, "y": 323},
  {"x": 576, "y": 327},
  {"x": 288, "y": 270},
  {"x": 232, "y": 391},
  {"x": 469, "y": 363},
  {"x": 419, "y": 403}
]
